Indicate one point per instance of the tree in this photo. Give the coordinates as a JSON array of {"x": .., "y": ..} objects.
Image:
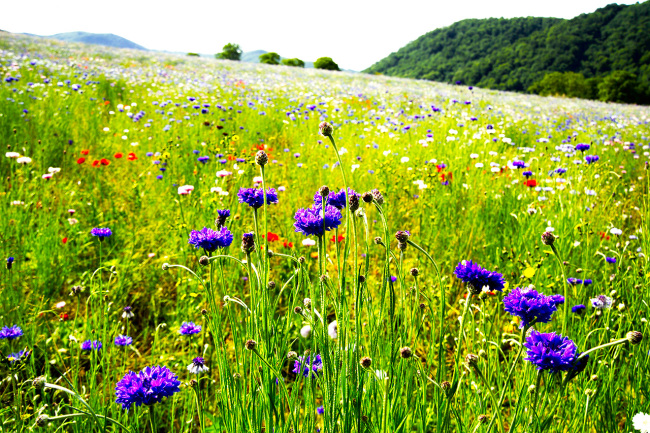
[
  {"x": 230, "y": 52},
  {"x": 619, "y": 86},
  {"x": 270, "y": 58},
  {"x": 293, "y": 62},
  {"x": 326, "y": 63}
]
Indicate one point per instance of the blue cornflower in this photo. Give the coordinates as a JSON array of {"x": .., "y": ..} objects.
[
  {"x": 531, "y": 306},
  {"x": 310, "y": 221},
  {"x": 587, "y": 282},
  {"x": 209, "y": 239},
  {"x": 336, "y": 199},
  {"x": 610, "y": 259},
  {"x": 573, "y": 281},
  {"x": 90, "y": 345},
  {"x": 602, "y": 302},
  {"x": 591, "y": 158},
  {"x": 560, "y": 170},
  {"x": 519, "y": 164},
  {"x": 578, "y": 308},
  {"x": 203, "y": 159},
  {"x": 320, "y": 410},
  {"x": 223, "y": 214},
  {"x": 550, "y": 351},
  {"x": 582, "y": 147},
  {"x": 197, "y": 366},
  {"x": 527, "y": 173},
  {"x": 10, "y": 262},
  {"x": 123, "y": 340},
  {"x": 13, "y": 357},
  {"x": 189, "y": 328},
  {"x": 147, "y": 387},
  {"x": 254, "y": 197},
  {"x": 10, "y": 332},
  {"x": 304, "y": 366},
  {"x": 472, "y": 273},
  {"x": 101, "y": 233}
]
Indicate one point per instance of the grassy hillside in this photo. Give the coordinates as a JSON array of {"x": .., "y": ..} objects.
[{"x": 146, "y": 288}]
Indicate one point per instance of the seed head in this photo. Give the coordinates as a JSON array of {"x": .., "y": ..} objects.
[
  {"x": 483, "y": 419},
  {"x": 324, "y": 191},
  {"x": 42, "y": 420},
  {"x": 634, "y": 337},
  {"x": 548, "y": 238},
  {"x": 326, "y": 129},
  {"x": 365, "y": 362},
  {"x": 377, "y": 196},
  {"x": 39, "y": 382},
  {"x": 402, "y": 236},
  {"x": 292, "y": 355},
  {"x": 193, "y": 383},
  {"x": 307, "y": 303},
  {"x": 405, "y": 352},
  {"x": 301, "y": 259},
  {"x": 261, "y": 158},
  {"x": 204, "y": 261},
  {"x": 250, "y": 344},
  {"x": 362, "y": 279},
  {"x": 471, "y": 360},
  {"x": 367, "y": 197},
  {"x": 248, "y": 243},
  {"x": 297, "y": 309},
  {"x": 415, "y": 272},
  {"x": 204, "y": 312},
  {"x": 271, "y": 285},
  {"x": 378, "y": 241},
  {"x": 354, "y": 202}
]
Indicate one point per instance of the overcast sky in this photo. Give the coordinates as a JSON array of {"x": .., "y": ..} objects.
[{"x": 354, "y": 33}]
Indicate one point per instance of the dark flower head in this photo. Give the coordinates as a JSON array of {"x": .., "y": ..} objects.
[
  {"x": 223, "y": 214},
  {"x": 248, "y": 242},
  {"x": 336, "y": 199},
  {"x": 10, "y": 333},
  {"x": 550, "y": 351},
  {"x": 210, "y": 240},
  {"x": 254, "y": 197},
  {"x": 531, "y": 306},
  {"x": 326, "y": 129},
  {"x": 10, "y": 262},
  {"x": 379, "y": 198},
  {"x": 472, "y": 273},
  {"x": 147, "y": 387},
  {"x": 305, "y": 366},
  {"x": 189, "y": 328},
  {"x": 310, "y": 221},
  {"x": 90, "y": 345},
  {"x": 101, "y": 233},
  {"x": 402, "y": 236},
  {"x": 578, "y": 308},
  {"x": 123, "y": 340}
]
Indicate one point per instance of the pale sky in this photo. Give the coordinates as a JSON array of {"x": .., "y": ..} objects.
[{"x": 354, "y": 33}]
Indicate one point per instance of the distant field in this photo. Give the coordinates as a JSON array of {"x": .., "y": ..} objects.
[{"x": 152, "y": 146}]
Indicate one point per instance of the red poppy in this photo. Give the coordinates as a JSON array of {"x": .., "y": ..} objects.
[
  {"x": 288, "y": 244},
  {"x": 95, "y": 163},
  {"x": 273, "y": 237},
  {"x": 64, "y": 316},
  {"x": 131, "y": 157},
  {"x": 531, "y": 183},
  {"x": 107, "y": 102},
  {"x": 85, "y": 152},
  {"x": 604, "y": 235},
  {"x": 64, "y": 240},
  {"x": 340, "y": 238},
  {"x": 104, "y": 161},
  {"x": 232, "y": 157},
  {"x": 81, "y": 160},
  {"x": 118, "y": 155}
]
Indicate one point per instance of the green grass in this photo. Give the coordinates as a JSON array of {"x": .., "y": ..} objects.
[{"x": 488, "y": 216}]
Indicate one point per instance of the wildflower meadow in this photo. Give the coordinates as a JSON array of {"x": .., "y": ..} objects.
[{"x": 200, "y": 245}]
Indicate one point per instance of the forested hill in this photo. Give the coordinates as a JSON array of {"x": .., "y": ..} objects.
[{"x": 601, "y": 55}]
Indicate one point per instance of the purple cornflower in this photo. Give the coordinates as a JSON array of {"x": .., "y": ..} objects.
[
  {"x": 123, "y": 340},
  {"x": 550, "y": 351},
  {"x": 203, "y": 159},
  {"x": 531, "y": 306},
  {"x": 101, "y": 233},
  {"x": 574, "y": 281},
  {"x": 254, "y": 197},
  {"x": 527, "y": 173},
  {"x": 189, "y": 328},
  {"x": 13, "y": 357},
  {"x": 591, "y": 158},
  {"x": 10, "y": 262},
  {"x": 519, "y": 164},
  {"x": 336, "y": 199},
  {"x": 472, "y": 273},
  {"x": 147, "y": 387},
  {"x": 90, "y": 345},
  {"x": 602, "y": 302},
  {"x": 223, "y": 214},
  {"x": 10, "y": 332},
  {"x": 304, "y": 366},
  {"x": 320, "y": 410},
  {"x": 197, "y": 366},
  {"x": 578, "y": 308},
  {"x": 209, "y": 239},
  {"x": 582, "y": 147},
  {"x": 610, "y": 259},
  {"x": 587, "y": 282},
  {"x": 560, "y": 170},
  {"x": 310, "y": 221}
]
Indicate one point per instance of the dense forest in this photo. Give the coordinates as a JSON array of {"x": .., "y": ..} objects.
[{"x": 601, "y": 55}]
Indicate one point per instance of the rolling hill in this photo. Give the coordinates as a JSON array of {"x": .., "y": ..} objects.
[{"x": 106, "y": 39}]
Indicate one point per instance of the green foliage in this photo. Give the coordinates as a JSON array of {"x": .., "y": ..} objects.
[
  {"x": 326, "y": 63},
  {"x": 230, "y": 52},
  {"x": 293, "y": 62},
  {"x": 620, "y": 86},
  {"x": 517, "y": 54},
  {"x": 193, "y": 55},
  {"x": 569, "y": 84},
  {"x": 270, "y": 58}
]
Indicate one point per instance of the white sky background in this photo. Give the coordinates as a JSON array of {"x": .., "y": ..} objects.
[{"x": 354, "y": 33}]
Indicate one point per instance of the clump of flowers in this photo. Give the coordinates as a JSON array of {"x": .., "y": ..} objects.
[
  {"x": 210, "y": 240},
  {"x": 147, "y": 387},
  {"x": 314, "y": 222},
  {"x": 478, "y": 277},
  {"x": 189, "y": 328},
  {"x": 307, "y": 366},
  {"x": 531, "y": 306}
]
